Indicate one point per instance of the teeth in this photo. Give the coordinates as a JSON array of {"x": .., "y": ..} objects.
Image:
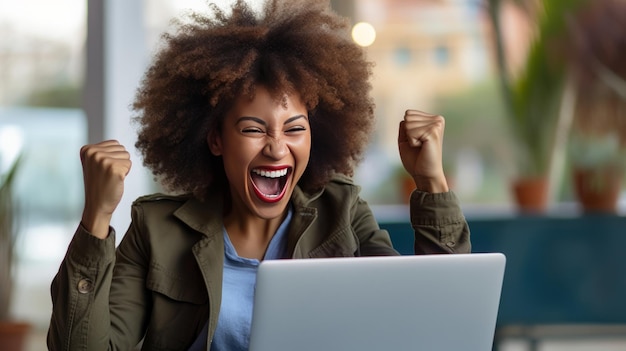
[{"x": 271, "y": 174}]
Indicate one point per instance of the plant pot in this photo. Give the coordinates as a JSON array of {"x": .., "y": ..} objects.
[
  {"x": 597, "y": 190},
  {"x": 531, "y": 194},
  {"x": 407, "y": 185},
  {"x": 13, "y": 335}
]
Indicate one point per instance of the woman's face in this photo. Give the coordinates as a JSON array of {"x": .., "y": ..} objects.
[{"x": 265, "y": 146}]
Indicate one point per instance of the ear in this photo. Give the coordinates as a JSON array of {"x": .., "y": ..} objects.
[{"x": 214, "y": 140}]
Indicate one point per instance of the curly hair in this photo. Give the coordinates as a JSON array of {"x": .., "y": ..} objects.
[{"x": 292, "y": 46}]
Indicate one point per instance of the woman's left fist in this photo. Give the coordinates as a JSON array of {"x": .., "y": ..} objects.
[{"x": 420, "y": 142}]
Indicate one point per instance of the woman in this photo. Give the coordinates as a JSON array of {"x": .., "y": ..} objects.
[{"x": 258, "y": 121}]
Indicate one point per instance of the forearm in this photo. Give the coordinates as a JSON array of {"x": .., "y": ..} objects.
[
  {"x": 439, "y": 224},
  {"x": 99, "y": 297},
  {"x": 80, "y": 294}
]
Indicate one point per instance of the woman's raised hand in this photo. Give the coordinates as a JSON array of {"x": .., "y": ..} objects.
[
  {"x": 105, "y": 166},
  {"x": 420, "y": 142}
]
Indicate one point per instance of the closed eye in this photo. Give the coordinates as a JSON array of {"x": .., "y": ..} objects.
[
  {"x": 252, "y": 130},
  {"x": 296, "y": 129}
]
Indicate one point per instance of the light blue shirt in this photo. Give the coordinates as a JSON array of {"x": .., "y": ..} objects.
[{"x": 238, "y": 282}]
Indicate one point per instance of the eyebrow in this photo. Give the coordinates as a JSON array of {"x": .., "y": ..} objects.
[{"x": 260, "y": 121}]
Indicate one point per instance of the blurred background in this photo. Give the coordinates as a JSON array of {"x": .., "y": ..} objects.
[{"x": 532, "y": 91}]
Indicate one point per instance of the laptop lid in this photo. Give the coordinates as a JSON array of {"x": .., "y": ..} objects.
[{"x": 432, "y": 302}]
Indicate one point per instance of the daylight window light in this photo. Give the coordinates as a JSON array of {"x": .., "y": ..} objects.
[
  {"x": 11, "y": 142},
  {"x": 363, "y": 34}
]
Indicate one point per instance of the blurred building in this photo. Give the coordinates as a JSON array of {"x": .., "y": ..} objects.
[
  {"x": 32, "y": 63},
  {"x": 423, "y": 49}
]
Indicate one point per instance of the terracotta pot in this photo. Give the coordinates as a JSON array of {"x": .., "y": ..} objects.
[
  {"x": 13, "y": 335},
  {"x": 597, "y": 190},
  {"x": 407, "y": 185},
  {"x": 531, "y": 194}
]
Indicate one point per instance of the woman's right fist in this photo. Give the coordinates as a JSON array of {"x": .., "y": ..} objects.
[{"x": 105, "y": 166}]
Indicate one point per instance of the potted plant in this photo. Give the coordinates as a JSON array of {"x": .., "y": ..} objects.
[
  {"x": 597, "y": 52},
  {"x": 530, "y": 100},
  {"x": 533, "y": 97},
  {"x": 598, "y": 164},
  {"x": 12, "y": 334}
]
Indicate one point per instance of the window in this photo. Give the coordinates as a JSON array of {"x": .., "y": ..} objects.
[{"x": 41, "y": 74}]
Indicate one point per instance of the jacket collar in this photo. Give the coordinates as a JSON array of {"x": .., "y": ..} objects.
[
  {"x": 303, "y": 199},
  {"x": 206, "y": 217},
  {"x": 203, "y": 216}
]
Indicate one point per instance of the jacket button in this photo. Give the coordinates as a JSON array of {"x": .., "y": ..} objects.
[
  {"x": 85, "y": 286},
  {"x": 450, "y": 244}
]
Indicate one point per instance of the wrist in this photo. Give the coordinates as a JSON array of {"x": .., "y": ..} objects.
[
  {"x": 97, "y": 224},
  {"x": 431, "y": 185}
]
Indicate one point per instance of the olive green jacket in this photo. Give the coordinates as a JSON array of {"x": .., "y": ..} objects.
[{"x": 164, "y": 280}]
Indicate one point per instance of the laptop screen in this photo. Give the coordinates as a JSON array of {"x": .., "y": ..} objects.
[{"x": 431, "y": 302}]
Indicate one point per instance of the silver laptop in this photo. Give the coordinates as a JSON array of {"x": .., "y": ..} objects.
[{"x": 432, "y": 302}]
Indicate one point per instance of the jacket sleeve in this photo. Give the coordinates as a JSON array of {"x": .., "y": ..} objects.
[
  {"x": 99, "y": 301},
  {"x": 437, "y": 221},
  {"x": 439, "y": 224}
]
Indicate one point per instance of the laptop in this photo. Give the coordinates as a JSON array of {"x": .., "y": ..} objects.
[{"x": 430, "y": 302}]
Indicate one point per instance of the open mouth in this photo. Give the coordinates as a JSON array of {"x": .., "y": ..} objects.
[{"x": 270, "y": 184}]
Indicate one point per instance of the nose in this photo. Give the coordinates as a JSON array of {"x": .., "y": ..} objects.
[{"x": 275, "y": 148}]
